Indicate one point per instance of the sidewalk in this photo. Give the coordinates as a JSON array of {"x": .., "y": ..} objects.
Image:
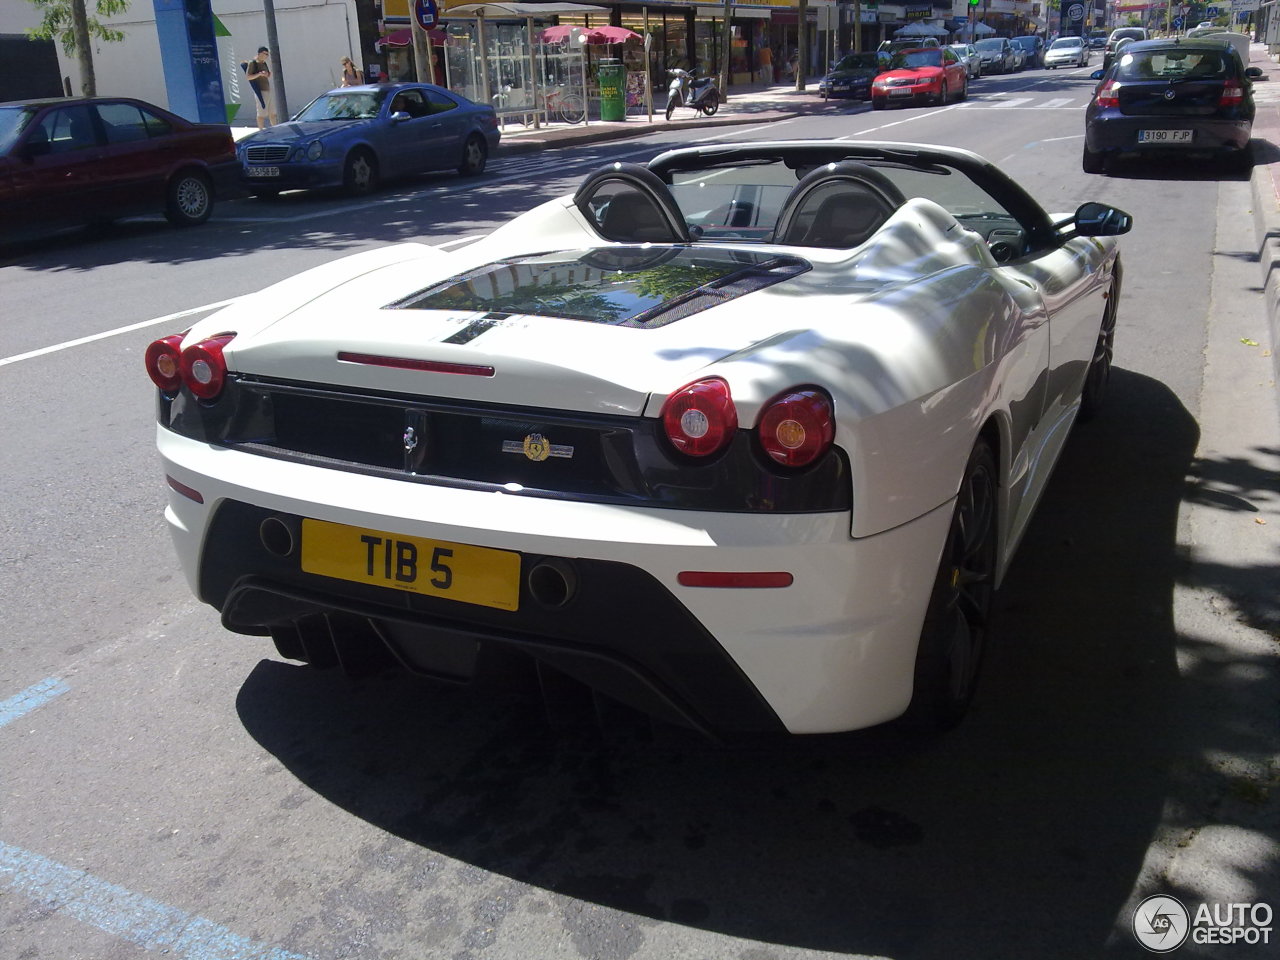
[
  {"x": 746, "y": 104},
  {"x": 1266, "y": 188}
]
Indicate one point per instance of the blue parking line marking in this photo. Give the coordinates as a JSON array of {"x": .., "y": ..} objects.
[
  {"x": 34, "y": 696},
  {"x": 121, "y": 913}
]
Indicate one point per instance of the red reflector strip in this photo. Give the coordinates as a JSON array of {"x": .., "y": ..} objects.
[
  {"x": 189, "y": 492},
  {"x": 405, "y": 363},
  {"x": 711, "y": 578}
]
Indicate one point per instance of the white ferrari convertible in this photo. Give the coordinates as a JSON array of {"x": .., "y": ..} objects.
[{"x": 744, "y": 438}]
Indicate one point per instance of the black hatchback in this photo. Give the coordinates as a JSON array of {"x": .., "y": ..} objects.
[{"x": 1171, "y": 96}]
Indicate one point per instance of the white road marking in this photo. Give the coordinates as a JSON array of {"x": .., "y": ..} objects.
[
  {"x": 896, "y": 123},
  {"x": 68, "y": 344},
  {"x": 1055, "y": 104},
  {"x": 167, "y": 318}
]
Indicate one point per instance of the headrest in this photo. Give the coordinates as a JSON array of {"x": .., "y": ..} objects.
[{"x": 628, "y": 203}]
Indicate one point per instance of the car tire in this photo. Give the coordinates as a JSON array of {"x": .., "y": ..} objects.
[
  {"x": 475, "y": 155},
  {"x": 957, "y": 620},
  {"x": 1092, "y": 161},
  {"x": 1240, "y": 161},
  {"x": 189, "y": 199},
  {"x": 671, "y": 106},
  {"x": 711, "y": 105},
  {"x": 360, "y": 173},
  {"x": 1098, "y": 377},
  {"x": 964, "y": 90}
]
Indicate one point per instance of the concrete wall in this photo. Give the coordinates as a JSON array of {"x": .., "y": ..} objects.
[{"x": 314, "y": 35}]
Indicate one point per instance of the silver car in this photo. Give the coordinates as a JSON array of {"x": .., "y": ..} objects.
[
  {"x": 1067, "y": 52},
  {"x": 970, "y": 57}
]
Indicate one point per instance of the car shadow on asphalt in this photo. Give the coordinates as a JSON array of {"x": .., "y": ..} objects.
[
  {"x": 1190, "y": 168},
  {"x": 1020, "y": 834}
]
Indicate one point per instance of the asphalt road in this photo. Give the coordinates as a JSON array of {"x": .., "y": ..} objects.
[{"x": 167, "y": 787}]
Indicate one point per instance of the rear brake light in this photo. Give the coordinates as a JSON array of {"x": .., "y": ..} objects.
[
  {"x": 1232, "y": 96},
  {"x": 797, "y": 427},
  {"x": 408, "y": 363},
  {"x": 203, "y": 368},
  {"x": 700, "y": 419},
  {"x": 162, "y": 363},
  {"x": 1109, "y": 95}
]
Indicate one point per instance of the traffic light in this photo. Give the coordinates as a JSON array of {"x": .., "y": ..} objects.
[{"x": 973, "y": 3}]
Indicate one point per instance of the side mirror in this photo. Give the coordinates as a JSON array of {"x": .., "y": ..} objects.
[
  {"x": 1253, "y": 73},
  {"x": 1099, "y": 220},
  {"x": 1097, "y": 74},
  {"x": 400, "y": 117}
]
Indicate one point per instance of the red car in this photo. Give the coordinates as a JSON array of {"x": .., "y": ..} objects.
[
  {"x": 926, "y": 74},
  {"x": 66, "y": 161}
]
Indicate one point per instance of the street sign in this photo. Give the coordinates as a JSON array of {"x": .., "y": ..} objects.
[
  {"x": 1177, "y": 23},
  {"x": 426, "y": 12},
  {"x": 1075, "y": 11},
  {"x": 1211, "y": 11}
]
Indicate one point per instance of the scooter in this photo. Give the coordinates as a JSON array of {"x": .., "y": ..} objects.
[{"x": 689, "y": 90}]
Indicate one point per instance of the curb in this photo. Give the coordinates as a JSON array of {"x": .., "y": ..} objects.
[
  {"x": 522, "y": 143},
  {"x": 1266, "y": 230}
]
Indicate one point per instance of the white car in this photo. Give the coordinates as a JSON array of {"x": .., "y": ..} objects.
[
  {"x": 1067, "y": 52},
  {"x": 744, "y": 438}
]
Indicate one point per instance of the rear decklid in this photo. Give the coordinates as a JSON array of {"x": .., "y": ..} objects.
[{"x": 592, "y": 330}]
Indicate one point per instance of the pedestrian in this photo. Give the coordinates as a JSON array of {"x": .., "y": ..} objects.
[
  {"x": 259, "y": 74},
  {"x": 350, "y": 76}
]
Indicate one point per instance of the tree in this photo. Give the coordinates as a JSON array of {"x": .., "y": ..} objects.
[{"x": 68, "y": 23}]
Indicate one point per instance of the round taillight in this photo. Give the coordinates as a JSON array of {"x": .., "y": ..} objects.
[
  {"x": 797, "y": 427},
  {"x": 162, "y": 363},
  {"x": 203, "y": 369},
  {"x": 700, "y": 419}
]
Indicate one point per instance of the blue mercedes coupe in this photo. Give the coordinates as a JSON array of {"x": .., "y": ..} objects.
[{"x": 356, "y": 137}]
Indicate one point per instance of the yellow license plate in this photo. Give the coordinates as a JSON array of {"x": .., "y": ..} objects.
[{"x": 490, "y": 578}]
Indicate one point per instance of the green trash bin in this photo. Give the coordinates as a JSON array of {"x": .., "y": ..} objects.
[{"x": 613, "y": 89}]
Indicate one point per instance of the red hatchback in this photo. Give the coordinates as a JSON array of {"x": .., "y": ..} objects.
[
  {"x": 929, "y": 74},
  {"x": 69, "y": 161}
]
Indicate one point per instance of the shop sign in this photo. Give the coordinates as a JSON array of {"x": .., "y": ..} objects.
[{"x": 918, "y": 13}]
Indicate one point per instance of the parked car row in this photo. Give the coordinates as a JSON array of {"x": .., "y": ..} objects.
[
  {"x": 927, "y": 73},
  {"x": 68, "y": 161}
]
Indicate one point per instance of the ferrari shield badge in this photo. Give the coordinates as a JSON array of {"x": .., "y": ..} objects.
[{"x": 537, "y": 448}]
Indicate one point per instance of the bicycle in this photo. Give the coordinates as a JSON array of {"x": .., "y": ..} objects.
[{"x": 569, "y": 107}]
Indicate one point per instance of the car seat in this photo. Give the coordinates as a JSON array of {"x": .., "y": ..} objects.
[
  {"x": 627, "y": 203},
  {"x": 838, "y": 206}
]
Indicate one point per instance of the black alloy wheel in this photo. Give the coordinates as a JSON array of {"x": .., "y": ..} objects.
[
  {"x": 360, "y": 174},
  {"x": 957, "y": 621},
  {"x": 1094, "y": 393},
  {"x": 1092, "y": 161},
  {"x": 475, "y": 155},
  {"x": 711, "y": 104},
  {"x": 671, "y": 106}
]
